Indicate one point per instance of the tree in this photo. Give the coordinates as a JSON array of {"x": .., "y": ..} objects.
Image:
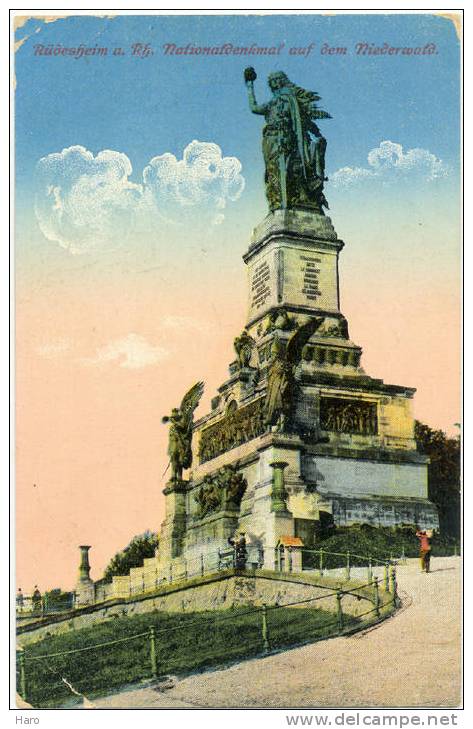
[
  {"x": 444, "y": 475},
  {"x": 56, "y": 599},
  {"x": 140, "y": 547}
]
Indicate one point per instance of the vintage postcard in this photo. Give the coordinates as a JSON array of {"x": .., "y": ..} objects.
[{"x": 238, "y": 362}]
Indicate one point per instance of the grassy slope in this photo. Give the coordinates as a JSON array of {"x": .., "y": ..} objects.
[{"x": 201, "y": 640}]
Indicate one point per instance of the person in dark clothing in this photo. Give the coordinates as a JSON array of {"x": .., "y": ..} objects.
[
  {"x": 240, "y": 553},
  {"x": 36, "y": 599},
  {"x": 20, "y": 600}
]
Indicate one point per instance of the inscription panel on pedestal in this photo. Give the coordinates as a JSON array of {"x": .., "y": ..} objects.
[
  {"x": 293, "y": 275},
  {"x": 310, "y": 282},
  {"x": 263, "y": 283},
  {"x": 260, "y": 285},
  {"x": 310, "y": 278}
]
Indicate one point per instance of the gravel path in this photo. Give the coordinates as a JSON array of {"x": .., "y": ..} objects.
[{"x": 412, "y": 659}]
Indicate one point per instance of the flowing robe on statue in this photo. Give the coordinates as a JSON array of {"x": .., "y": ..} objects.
[
  {"x": 278, "y": 383},
  {"x": 294, "y": 164}
]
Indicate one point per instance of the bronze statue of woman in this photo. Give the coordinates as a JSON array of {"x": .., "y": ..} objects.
[{"x": 293, "y": 146}]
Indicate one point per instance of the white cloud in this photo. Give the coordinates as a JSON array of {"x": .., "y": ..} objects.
[
  {"x": 50, "y": 350},
  {"x": 349, "y": 175},
  {"x": 131, "y": 352},
  {"x": 84, "y": 200},
  {"x": 201, "y": 177},
  {"x": 389, "y": 161}
]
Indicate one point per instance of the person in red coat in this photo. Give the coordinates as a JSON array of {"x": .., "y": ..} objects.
[{"x": 425, "y": 549}]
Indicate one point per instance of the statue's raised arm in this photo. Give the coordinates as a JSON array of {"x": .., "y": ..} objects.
[
  {"x": 250, "y": 77},
  {"x": 293, "y": 145}
]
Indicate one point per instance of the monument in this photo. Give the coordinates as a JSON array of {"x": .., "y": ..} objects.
[
  {"x": 298, "y": 435},
  {"x": 85, "y": 590}
]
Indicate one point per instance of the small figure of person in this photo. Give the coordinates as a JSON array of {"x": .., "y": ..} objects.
[
  {"x": 425, "y": 548},
  {"x": 20, "y": 601},
  {"x": 36, "y": 599},
  {"x": 239, "y": 548}
]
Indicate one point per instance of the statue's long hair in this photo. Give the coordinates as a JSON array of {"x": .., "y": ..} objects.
[{"x": 304, "y": 96}]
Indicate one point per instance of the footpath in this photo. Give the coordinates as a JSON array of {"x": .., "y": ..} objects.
[{"x": 413, "y": 659}]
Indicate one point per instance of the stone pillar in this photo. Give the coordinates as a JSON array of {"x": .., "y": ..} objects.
[
  {"x": 279, "y": 520},
  {"x": 85, "y": 588},
  {"x": 278, "y": 493},
  {"x": 84, "y": 567},
  {"x": 173, "y": 528}
]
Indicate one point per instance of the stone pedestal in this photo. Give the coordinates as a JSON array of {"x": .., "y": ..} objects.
[
  {"x": 85, "y": 588},
  {"x": 173, "y": 528},
  {"x": 293, "y": 262},
  {"x": 344, "y": 452},
  {"x": 208, "y": 536}
]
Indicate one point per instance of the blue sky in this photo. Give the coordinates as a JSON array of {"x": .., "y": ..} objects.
[{"x": 144, "y": 107}]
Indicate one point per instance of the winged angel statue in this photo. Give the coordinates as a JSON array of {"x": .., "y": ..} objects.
[
  {"x": 280, "y": 391},
  {"x": 180, "y": 431}
]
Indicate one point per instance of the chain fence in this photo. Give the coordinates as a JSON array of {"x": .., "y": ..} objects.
[{"x": 180, "y": 643}]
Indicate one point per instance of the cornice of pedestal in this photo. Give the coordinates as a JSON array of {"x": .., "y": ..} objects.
[
  {"x": 296, "y": 225},
  {"x": 288, "y": 441},
  {"x": 175, "y": 487},
  {"x": 295, "y": 309}
]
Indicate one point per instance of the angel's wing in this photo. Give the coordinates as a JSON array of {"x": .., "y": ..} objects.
[
  {"x": 191, "y": 399},
  {"x": 300, "y": 337}
]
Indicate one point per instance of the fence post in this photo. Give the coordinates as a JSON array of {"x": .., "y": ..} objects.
[
  {"x": 386, "y": 576},
  {"x": 264, "y": 628},
  {"x": 403, "y": 554},
  {"x": 454, "y": 550},
  {"x": 152, "y": 652},
  {"x": 370, "y": 570},
  {"x": 202, "y": 565},
  {"x": 321, "y": 562},
  {"x": 394, "y": 584},
  {"x": 22, "y": 664},
  {"x": 170, "y": 572},
  {"x": 348, "y": 565},
  {"x": 339, "y": 611},
  {"x": 376, "y": 597}
]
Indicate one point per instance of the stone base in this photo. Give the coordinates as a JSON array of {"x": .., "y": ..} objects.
[
  {"x": 207, "y": 536},
  {"x": 348, "y": 450},
  {"x": 85, "y": 593}
]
